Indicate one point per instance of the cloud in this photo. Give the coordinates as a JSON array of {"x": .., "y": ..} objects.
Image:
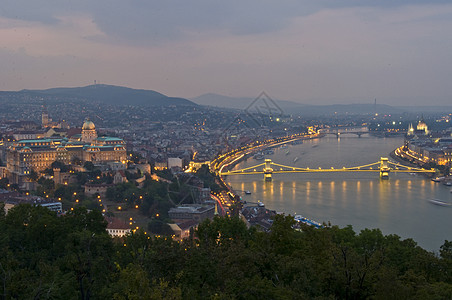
[
  {"x": 354, "y": 51},
  {"x": 155, "y": 22}
]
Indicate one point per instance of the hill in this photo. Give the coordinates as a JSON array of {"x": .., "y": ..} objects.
[
  {"x": 110, "y": 94},
  {"x": 294, "y": 108},
  {"x": 211, "y": 99}
]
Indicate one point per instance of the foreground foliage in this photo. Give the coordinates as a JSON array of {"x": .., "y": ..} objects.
[{"x": 72, "y": 257}]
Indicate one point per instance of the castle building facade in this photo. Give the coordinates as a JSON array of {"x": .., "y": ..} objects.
[{"x": 24, "y": 156}]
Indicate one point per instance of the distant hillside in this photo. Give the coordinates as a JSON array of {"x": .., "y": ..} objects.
[
  {"x": 343, "y": 109},
  {"x": 115, "y": 95},
  {"x": 293, "y": 108},
  {"x": 240, "y": 103},
  {"x": 425, "y": 109}
]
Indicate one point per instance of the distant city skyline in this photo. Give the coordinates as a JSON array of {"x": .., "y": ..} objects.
[{"x": 312, "y": 52}]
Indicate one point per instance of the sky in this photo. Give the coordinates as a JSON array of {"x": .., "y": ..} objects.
[{"x": 313, "y": 52}]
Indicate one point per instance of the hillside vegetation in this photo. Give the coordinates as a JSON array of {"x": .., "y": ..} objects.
[{"x": 72, "y": 257}]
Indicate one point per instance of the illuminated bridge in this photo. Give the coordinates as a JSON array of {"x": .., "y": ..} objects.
[
  {"x": 384, "y": 167},
  {"x": 339, "y": 133},
  {"x": 343, "y": 131}
]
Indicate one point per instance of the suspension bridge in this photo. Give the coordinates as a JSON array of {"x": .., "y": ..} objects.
[{"x": 384, "y": 167}]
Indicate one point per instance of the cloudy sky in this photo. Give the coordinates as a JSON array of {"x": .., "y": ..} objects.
[{"x": 309, "y": 51}]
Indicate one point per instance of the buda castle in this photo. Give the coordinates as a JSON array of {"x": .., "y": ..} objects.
[{"x": 23, "y": 156}]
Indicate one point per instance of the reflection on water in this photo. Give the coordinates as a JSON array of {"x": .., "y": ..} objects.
[{"x": 398, "y": 205}]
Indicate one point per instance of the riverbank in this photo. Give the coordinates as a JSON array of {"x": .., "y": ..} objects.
[
  {"x": 396, "y": 206},
  {"x": 409, "y": 163},
  {"x": 245, "y": 154},
  {"x": 394, "y": 156}
]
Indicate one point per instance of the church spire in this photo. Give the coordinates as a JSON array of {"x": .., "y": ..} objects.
[{"x": 44, "y": 115}]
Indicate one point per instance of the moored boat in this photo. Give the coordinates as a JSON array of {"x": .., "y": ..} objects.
[
  {"x": 259, "y": 156},
  {"x": 439, "y": 202},
  {"x": 307, "y": 221},
  {"x": 437, "y": 179},
  {"x": 269, "y": 152}
]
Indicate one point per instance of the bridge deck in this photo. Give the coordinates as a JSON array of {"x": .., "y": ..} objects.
[{"x": 373, "y": 167}]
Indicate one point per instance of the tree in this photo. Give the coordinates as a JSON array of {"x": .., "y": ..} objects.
[
  {"x": 133, "y": 283},
  {"x": 72, "y": 256},
  {"x": 60, "y": 165},
  {"x": 46, "y": 186},
  {"x": 222, "y": 231},
  {"x": 76, "y": 161},
  {"x": 33, "y": 176},
  {"x": 134, "y": 157},
  {"x": 88, "y": 258},
  {"x": 160, "y": 227},
  {"x": 88, "y": 166}
]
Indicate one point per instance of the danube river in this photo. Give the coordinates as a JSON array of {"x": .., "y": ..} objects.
[{"x": 396, "y": 206}]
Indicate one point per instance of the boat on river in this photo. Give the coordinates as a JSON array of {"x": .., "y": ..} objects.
[
  {"x": 259, "y": 156},
  {"x": 307, "y": 221},
  {"x": 439, "y": 202},
  {"x": 437, "y": 179},
  {"x": 269, "y": 152},
  {"x": 247, "y": 192}
]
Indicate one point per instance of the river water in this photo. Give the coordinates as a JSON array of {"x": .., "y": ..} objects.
[{"x": 396, "y": 206}]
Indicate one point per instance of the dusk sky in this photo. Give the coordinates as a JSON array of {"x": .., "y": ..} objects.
[{"x": 308, "y": 51}]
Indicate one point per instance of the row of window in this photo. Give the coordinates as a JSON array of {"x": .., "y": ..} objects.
[{"x": 119, "y": 231}]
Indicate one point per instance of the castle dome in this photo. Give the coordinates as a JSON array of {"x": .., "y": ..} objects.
[{"x": 88, "y": 125}]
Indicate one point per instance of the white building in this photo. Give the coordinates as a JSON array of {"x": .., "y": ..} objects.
[{"x": 116, "y": 227}]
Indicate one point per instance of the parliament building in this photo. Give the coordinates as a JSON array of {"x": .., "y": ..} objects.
[{"x": 23, "y": 156}]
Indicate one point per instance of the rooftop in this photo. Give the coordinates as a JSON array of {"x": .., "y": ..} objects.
[{"x": 115, "y": 223}]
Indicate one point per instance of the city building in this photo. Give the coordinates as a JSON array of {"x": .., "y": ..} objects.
[
  {"x": 192, "y": 212},
  {"x": 182, "y": 230},
  {"x": 175, "y": 162},
  {"x": 101, "y": 189},
  {"x": 11, "y": 199},
  {"x": 421, "y": 129},
  {"x": 116, "y": 227},
  {"x": 25, "y": 156},
  {"x": 3, "y": 172},
  {"x": 424, "y": 146},
  {"x": 45, "y": 119}
]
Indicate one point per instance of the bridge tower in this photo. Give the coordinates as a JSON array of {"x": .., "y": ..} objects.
[
  {"x": 268, "y": 170},
  {"x": 384, "y": 168}
]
